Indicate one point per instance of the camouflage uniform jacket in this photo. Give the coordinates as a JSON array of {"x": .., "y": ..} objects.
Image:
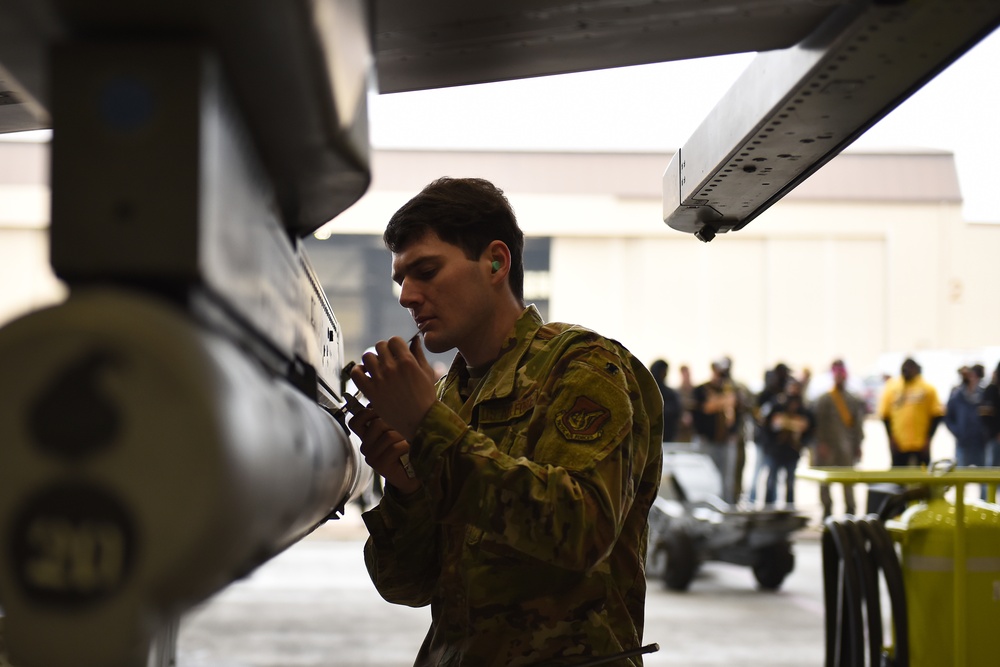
[{"x": 528, "y": 538}]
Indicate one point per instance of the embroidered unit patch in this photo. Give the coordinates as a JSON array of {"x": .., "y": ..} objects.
[{"x": 583, "y": 421}]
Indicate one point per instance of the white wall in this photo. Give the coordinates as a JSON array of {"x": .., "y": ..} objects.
[
  {"x": 26, "y": 279},
  {"x": 757, "y": 300}
]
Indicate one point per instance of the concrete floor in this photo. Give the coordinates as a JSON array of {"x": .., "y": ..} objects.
[{"x": 315, "y": 606}]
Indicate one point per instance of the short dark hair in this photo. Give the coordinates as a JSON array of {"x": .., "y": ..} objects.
[{"x": 469, "y": 213}]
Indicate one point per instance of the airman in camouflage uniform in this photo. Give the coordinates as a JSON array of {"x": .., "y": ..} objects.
[
  {"x": 528, "y": 538},
  {"x": 518, "y": 486}
]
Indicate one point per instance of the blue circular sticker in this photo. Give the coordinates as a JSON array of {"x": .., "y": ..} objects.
[{"x": 126, "y": 103}]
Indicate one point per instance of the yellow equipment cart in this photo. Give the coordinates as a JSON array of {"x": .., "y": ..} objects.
[{"x": 949, "y": 553}]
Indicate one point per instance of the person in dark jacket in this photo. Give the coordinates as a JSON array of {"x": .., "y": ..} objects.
[
  {"x": 962, "y": 418},
  {"x": 671, "y": 400},
  {"x": 717, "y": 417},
  {"x": 788, "y": 426},
  {"x": 774, "y": 383}
]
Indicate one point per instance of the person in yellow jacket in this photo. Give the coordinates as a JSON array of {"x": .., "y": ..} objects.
[
  {"x": 911, "y": 411},
  {"x": 518, "y": 486}
]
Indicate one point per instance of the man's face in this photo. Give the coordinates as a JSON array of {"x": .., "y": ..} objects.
[
  {"x": 839, "y": 373},
  {"x": 448, "y": 295},
  {"x": 909, "y": 370}
]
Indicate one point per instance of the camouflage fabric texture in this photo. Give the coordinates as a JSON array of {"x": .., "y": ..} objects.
[{"x": 528, "y": 538}]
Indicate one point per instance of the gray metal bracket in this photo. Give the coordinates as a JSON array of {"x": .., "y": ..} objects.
[{"x": 794, "y": 110}]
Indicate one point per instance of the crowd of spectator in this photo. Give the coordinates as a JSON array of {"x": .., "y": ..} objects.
[{"x": 723, "y": 417}]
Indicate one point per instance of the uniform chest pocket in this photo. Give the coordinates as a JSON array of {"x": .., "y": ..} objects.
[
  {"x": 505, "y": 421},
  {"x": 511, "y": 437}
]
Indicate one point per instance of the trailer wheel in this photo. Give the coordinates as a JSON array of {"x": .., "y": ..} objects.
[
  {"x": 682, "y": 562},
  {"x": 774, "y": 563}
]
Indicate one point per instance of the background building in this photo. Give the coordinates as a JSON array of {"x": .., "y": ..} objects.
[{"x": 869, "y": 259}]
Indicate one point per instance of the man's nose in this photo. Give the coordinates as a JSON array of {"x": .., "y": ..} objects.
[{"x": 409, "y": 296}]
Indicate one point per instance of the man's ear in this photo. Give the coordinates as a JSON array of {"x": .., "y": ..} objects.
[{"x": 498, "y": 255}]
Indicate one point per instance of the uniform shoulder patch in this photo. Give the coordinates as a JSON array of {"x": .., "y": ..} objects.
[{"x": 583, "y": 421}]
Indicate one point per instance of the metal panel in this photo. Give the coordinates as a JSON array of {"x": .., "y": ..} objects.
[
  {"x": 793, "y": 110},
  {"x": 300, "y": 71},
  {"x": 178, "y": 201},
  {"x": 455, "y": 42}
]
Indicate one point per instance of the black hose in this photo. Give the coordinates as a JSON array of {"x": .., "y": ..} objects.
[
  {"x": 844, "y": 599},
  {"x": 832, "y": 598},
  {"x": 883, "y": 553},
  {"x": 868, "y": 571},
  {"x": 855, "y": 551}
]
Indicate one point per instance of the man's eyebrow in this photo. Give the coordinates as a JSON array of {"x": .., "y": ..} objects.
[{"x": 397, "y": 275}]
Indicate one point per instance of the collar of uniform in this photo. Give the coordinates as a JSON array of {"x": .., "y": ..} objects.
[
  {"x": 499, "y": 380},
  {"x": 504, "y": 371}
]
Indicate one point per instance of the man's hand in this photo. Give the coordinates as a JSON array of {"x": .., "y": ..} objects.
[
  {"x": 398, "y": 382},
  {"x": 384, "y": 449}
]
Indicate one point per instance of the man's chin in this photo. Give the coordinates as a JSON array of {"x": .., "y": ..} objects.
[{"x": 435, "y": 344}]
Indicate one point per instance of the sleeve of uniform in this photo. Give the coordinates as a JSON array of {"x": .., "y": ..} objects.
[
  {"x": 401, "y": 554},
  {"x": 590, "y": 434}
]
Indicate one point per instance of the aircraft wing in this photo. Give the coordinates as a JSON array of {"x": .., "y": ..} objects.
[{"x": 440, "y": 43}]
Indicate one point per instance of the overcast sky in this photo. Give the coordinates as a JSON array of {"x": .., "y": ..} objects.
[{"x": 657, "y": 107}]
